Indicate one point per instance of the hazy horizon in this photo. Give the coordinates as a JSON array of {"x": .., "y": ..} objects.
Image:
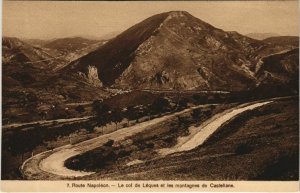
[{"x": 48, "y": 20}]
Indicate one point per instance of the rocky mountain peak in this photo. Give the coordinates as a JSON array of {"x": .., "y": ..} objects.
[{"x": 176, "y": 48}]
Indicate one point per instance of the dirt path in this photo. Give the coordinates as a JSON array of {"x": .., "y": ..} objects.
[
  {"x": 199, "y": 134},
  {"x": 14, "y": 125},
  {"x": 53, "y": 162}
]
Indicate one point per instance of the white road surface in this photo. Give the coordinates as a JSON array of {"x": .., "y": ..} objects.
[
  {"x": 199, "y": 134},
  {"x": 54, "y": 163}
]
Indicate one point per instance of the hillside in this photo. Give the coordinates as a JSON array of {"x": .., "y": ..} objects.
[
  {"x": 175, "y": 50},
  {"x": 24, "y": 64},
  {"x": 15, "y": 50},
  {"x": 36, "y": 42},
  {"x": 283, "y": 40},
  {"x": 280, "y": 68},
  {"x": 261, "y": 36},
  {"x": 30, "y": 82},
  {"x": 72, "y": 48},
  {"x": 69, "y": 44}
]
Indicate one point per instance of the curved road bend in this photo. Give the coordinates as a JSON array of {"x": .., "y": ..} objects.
[
  {"x": 199, "y": 134},
  {"x": 50, "y": 165}
]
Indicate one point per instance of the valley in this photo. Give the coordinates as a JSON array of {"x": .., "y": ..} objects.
[{"x": 170, "y": 98}]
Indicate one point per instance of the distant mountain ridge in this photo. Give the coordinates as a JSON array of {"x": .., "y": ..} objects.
[
  {"x": 15, "y": 50},
  {"x": 29, "y": 76},
  {"x": 35, "y": 42},
  {"x": 69, "y": 48},
  {"x": 261, "y": 36},
  {"x": 69, "y": 44},
  {"x": 283, "y": 40},
  {"x": 175, "y": 49}
]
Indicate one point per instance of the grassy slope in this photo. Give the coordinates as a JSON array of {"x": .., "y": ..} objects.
[{"x": 260, "y": 145}]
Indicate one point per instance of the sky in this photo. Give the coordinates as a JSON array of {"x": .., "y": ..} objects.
[{"x": 56, "y": 19}]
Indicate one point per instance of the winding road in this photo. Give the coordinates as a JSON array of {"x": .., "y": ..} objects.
[
  {"x": 50, "y": 164},
  {"x": 199, "y": 134}
]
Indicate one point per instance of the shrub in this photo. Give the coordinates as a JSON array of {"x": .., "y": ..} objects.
[
  {"x": 150, "y": 145},
  {"x": 183, "y": 103},
  {"x": 200, "y": 99},
  {"x": 124, "y": 153},
  {"x": 99, "y": 108},
  {"x": 80, "y": 109},
  {"x": 168, "y": 139},
  {"x": 196, "y": 114},
  {"x": 207, "y": 113},
  {"x": 160, "y": 105},
  {"x": 109, "y": 143}
]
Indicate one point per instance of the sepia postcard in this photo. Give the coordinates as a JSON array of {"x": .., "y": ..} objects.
[{"x": 129, "y": 96}]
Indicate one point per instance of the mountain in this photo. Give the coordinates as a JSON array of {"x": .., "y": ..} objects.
[
  {"x": 72, "y": 48},
  {"x": 31, "y": 69},
  {"x": 35, "y": 42},
  {"x": 15, "y": 50},
  {"x": 278, "y": 68},
  {"x": 175, "y": 50},
  {"x": 283, "y": 40},
  {"x": 69, "y": 44},
  {"x": 261, "y": 36},
  {"x": 23, "y": 62},
  {"x": 27, "y": 64}
]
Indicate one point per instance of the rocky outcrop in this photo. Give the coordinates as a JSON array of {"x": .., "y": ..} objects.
[{"x": 92, "y": 76}]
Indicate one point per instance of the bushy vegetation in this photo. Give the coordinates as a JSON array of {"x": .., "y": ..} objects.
[
  {"x": 24, "y": 141},
  {"x": 142, "y": 145}
]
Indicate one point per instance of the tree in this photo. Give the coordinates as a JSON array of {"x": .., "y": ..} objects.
[
  {"x": 89, "y": 127},
  {"x": 116, "y": 117},
  {"x": 80, "y": 109},
  {"x": 130, "y": 114},
  {"x": 183, "y": 103},
  {"x": 101, "y": 111},
  {"x": 43, "y": 114},
  {"x": 207, "y": 113},
  {"x": 159, "y": 105},
  {"x": 101, "y": 121},
  {"x": 50, "y": 146},
  {"x": 100, "y": 108},
  {"x": 109, "y": 143},
  {"x": 196, "y": 114},
  {"x": 200, "y": 99}
]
